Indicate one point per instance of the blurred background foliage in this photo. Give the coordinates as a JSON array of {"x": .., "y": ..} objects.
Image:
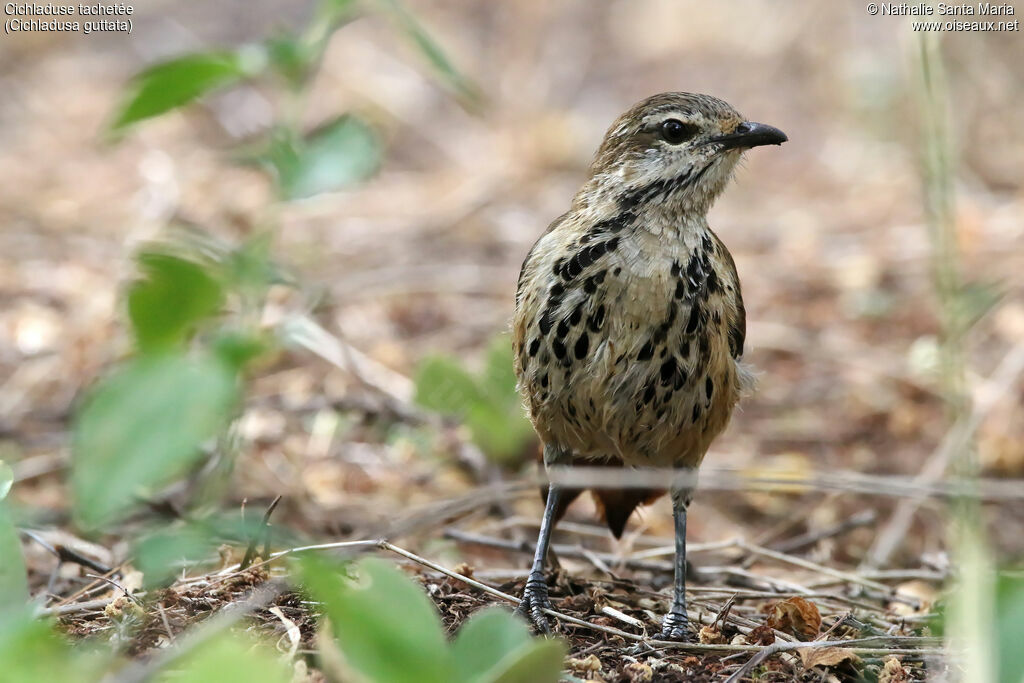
[{"x": 173, "y": 198}]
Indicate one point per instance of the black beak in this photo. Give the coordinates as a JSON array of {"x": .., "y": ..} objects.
[{"x": 750, "y": 134}]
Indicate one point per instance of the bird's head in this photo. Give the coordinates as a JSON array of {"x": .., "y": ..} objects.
[{"x": 676, "y": 150}]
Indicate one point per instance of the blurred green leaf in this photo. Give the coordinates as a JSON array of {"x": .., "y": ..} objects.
[
  {"x": 238, "y": 349},
  {"x": 1010, "y": 627},
  {"x": 6, "y": 479},
  {"x": 171, "y": 84},
  {"x": 230, "y": 658},
  {"x": 386, "y": 626},
  {"x": 443, "y": 67},
  {"x": 489, "y": 406},
  {"x": 161, "y": 555},
  {"x": 499, "y": 374},
  {"x": 500, "y": 432},
  {"x": 291, "y": 58},
  {"x": 30, "y": 650},
  {"x": 485, "y": 640},
  {"x": 13, "y": 580},
  {"x": 142, "y": 426},
  {"x": 173, "y": 294},
  {"x": 444, "y": 387},
  {"x": 339, "y": 154},
  {"x": 539, "y": 661}
]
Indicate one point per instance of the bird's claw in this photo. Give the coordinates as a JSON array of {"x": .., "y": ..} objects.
[
  {"x": 675, "y": 627},
  {"x": 535, "y": 601}
]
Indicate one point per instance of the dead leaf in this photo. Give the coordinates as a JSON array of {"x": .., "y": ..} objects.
[
  {"x": 761, "y": 635},
  {"x": 710, "y": 635},
  {"x": 638, "y": 672},
  {"x": 587, "y": 665},
  {"x": 797, "y": 616},
  {"x": 826, "y": 656},
  {"x": 893, "y": 671}
]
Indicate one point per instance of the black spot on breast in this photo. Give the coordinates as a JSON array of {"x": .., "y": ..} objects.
[
  {"x": 695, "y": 272},
  {"x": 559, "y": 348},
  {"x": 738, "y": 333},
  {"x": 649, "y": 393},
  {"x": 582, "y": 346},
  {"x": 534, "y": 347},
  {"x": 618, "y": 269},
  {"x": 696, "y": 412},
  {"x": 684, "y": 348},
  {"x": 544, "y": 380},
  {"x": 668, "y": 370},
  {"x": 599, "y": 276},
  {"x": 590, "y": 286},
  {"x": 545, "y": 321},
  {"x": 694, "y": 319},
  {"x": 676, "y": 269},
  {"x": 563, "y": 329},
  {"x": 680, "y": 379},
  {"x": 716, "y": 317},
  {"x": 647, "y": 352},
  {"x": 713, "y": 284},
  {"x": 596, "y": 320},
  {"x": 577, "y": 314},
  {"x": 557, "y": 290},
  {"x": 680, "y": 289},
  {"x": 709, "y": 387},
  {"x": 613, "y": 244},
  {"x": 557, "y": 268}
]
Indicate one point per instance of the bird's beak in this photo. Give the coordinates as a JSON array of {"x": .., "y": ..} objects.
[{"x": 750, "y": 134}]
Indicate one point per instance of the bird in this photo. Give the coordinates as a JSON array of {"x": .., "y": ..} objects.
[{"x": 629, "y": 323}]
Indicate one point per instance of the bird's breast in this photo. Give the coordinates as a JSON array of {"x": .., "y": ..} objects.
[{"x": 622, "y": 344}]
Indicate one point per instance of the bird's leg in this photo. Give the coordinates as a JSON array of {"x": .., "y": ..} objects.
[
  {"x": 674, "y": 627},
  {"x": 535, "y": 595}
]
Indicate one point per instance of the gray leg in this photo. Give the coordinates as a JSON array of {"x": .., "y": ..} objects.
[
  {"x": 535, "y": 595},
  {"x": 674, "y": 627}
]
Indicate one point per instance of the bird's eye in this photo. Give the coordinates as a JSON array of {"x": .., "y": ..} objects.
[{"x": 675, "y": 131}]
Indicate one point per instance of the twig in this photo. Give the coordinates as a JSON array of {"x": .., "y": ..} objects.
[
  {"x": 862, "y": 518},
  {"x": 385, "y": 545},
  {"x": 66, "y": 554},
  {"x": 822, "y": 569},
  {"x": 139, "y": 671},
  {"x": 1000, "y": 381},
  {"x": 264, "y": 531}
]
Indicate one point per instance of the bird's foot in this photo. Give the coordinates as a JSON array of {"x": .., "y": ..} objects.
[
  {"x": 675, "y": 627},
  {"x": 535, "y": 601}
]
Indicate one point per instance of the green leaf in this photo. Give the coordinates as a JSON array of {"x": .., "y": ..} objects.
[
  {"x": 161, "y": 555},
  {"x": 174, "y": 83},
  {"x": 30, "y": 650},
  {"x": 499, "y": 432},
  {"x": 386, "y": 626},
  {"x": 443, "y": 67},
  {"x": 337, "y": 155},
  {"x": 230, "y": 658},
  {"x": 539, "y": 661},
  {"x": 485, "y": 640},
  {"x": 172, "y": 296},
  {"x": 144, "y": 425},
  {"x": 443, "y": 386},
  {"x": 6, "y": 479},
  {"x": 13, "y": 580},
  {"x": 1010, "y": 627},
  {"x": 490, "y": 407},
  {"x": 499, "y": 375}
]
